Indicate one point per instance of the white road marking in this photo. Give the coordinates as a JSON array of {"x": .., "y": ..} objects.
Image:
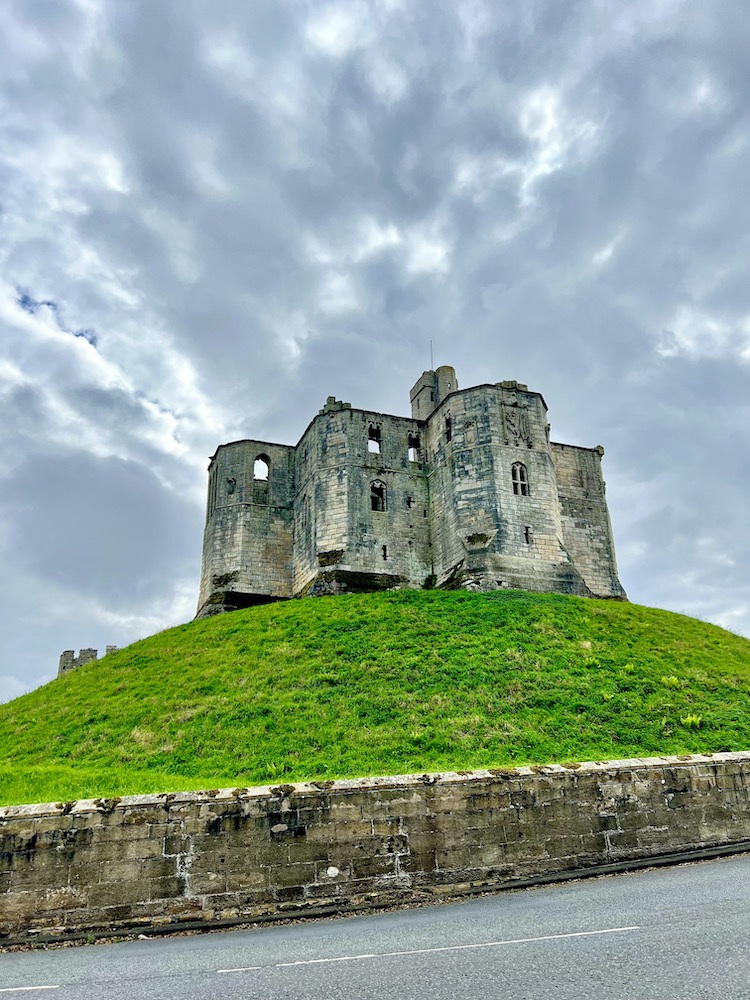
[{"x": 431, "y": 951}]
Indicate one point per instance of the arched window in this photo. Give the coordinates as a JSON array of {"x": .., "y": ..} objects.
[
  {"x": 520, "y": 479},
  {"x": 373, "y": 439},
  {"x": 261, "y": 471},
  {"x": 377, "y": 496}
]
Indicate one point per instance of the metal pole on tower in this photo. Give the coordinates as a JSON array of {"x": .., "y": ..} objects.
[{"x": 432, "y": 362}]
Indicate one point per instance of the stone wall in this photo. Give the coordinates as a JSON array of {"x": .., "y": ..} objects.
[
  {"x": 69, "y": 661},
  {"x": 340, "y": 541},
  {"x": 586, "y": 527},
  {"x": 245, "y": 854}
]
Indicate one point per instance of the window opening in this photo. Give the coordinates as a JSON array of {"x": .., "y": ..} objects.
[
  {"x": 410, "y": 501},
  {"x": 520, "y": 480},
  {"x": 528, "y": 534},
  {"x": 385, "y": 552},
  {"x": 261, "y": 470},
  {"x": 414, "y": 447},
  {"x": 448, "y": 428},
  {"x": 212, "y": 495},
  {"x": 377, "y": 496},
  {"x": 373, "y": 440}
]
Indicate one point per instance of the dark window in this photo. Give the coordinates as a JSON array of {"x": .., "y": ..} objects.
[
  {"x": 528, "y": 534},
  {"x": 520, "y": 479},
  {"x": 448, "y": 428},
  {"x": 212, "y": 492},
  {"x": 377, "y": 496},
  {"x": 410, "y": 501},
  {"x": 373, "y": 439},
  {"x": 385, "y": 551},
  {"x": 414, "y": 447}
]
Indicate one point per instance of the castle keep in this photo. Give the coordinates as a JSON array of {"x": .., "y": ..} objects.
[{"x": 469, "y": 491}]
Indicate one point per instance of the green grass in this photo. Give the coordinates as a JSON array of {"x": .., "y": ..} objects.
[{"x": 410, "y": 681}]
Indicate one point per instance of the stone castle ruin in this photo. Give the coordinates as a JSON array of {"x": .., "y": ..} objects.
[
  {"x": 467, "y": 492},
  {"x": 69, "y": 661}
]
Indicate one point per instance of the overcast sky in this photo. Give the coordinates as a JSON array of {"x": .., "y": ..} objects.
[{"x": 215, "y": 213}]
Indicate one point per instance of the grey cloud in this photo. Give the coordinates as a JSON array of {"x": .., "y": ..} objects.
[{"x": 112, "y": 531}]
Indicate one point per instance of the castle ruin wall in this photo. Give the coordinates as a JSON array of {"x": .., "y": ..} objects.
[
  {"x": 202, "y": 858},
  {"x": 587, "y": 530}
]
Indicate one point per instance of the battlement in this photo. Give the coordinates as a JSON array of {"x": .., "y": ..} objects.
[
  {"x": 69, "y": 661},
  {"x": 333, "y": 405},
  {"x": 466, "y": 492}
]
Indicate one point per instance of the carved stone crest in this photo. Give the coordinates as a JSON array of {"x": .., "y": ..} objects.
[{"x": 516, "y": 423}]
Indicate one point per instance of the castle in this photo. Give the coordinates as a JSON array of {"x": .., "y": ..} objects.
[{"x": 468, "y": 492}]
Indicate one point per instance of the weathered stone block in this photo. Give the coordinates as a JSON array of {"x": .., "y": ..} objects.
[
  {"x": 119, "y": 893},
  {"x": 240, "y": 881},
  {"x": 168, "y": 887}
]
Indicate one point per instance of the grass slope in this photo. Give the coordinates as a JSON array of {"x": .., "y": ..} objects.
[{"x": 379, "y": 684}]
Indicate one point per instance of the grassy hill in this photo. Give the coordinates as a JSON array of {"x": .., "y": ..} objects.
[{"x": 379, "y": 684}]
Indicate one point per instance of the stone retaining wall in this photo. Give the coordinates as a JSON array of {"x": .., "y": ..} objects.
[{"x": 246, "y": 854}]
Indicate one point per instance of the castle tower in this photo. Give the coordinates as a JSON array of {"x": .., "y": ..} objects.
[
  {"x": 361, "y": 520},
  {"x": 247, "y": 540}
]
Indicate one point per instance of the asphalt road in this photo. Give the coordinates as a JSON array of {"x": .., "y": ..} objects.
[{"x": 680, "y": 933}]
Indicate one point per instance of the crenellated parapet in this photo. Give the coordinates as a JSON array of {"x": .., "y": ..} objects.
[{"x": 69, "y": 661}]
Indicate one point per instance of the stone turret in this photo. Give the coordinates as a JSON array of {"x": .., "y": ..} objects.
[{"x": 430, "y": 389}]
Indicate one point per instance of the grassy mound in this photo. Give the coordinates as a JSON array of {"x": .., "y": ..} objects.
[{"x": 379, "y": 684}]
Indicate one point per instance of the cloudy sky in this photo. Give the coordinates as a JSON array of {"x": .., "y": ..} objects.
[{"x": 215, "y": 214}]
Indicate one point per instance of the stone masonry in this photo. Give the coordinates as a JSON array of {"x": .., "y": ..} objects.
[
  {"x": 69, "y": 661},
  {"x": 469, "y": 491},
  {"x": 321, "y": 847}
]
